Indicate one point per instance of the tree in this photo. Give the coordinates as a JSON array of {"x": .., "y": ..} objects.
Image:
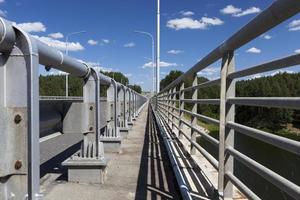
[
  {"x": 136, "y": 88},
  {"x": 117, "y": 76},
  {"x": 173, "y": 75}
]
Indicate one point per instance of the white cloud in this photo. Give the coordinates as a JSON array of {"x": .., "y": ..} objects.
[
  {"x": 281, "y": 72},
  {"x": 128, "y": 75},
  {"x": 189, "y": 23},
  {"x": 185, "y": 23},
  {"x": 254, "y": 50},
  {"x": 256, "y": 76},
  {"x": 294, "y": 25},
  {"x": 129, "y": 45},
  {"x": 248, "y": 11},
  {"x": 57, "y": 35},
  {"x": 3, "y": 13},
  {"x": 174, "y": 51},
  {"x": 238, "y": 12},
  {"x": 55, "y": 72},
  {"x": 92, "y": 42},
  {"x": 72, "y": 46},
  {"x": 212, "y": 21},
  {"x": 294, "y": 28},
  {"x": 230, "y": 9},
  {"x": 210, "y": 72},
  {"x": 106, "y": 41},
  {"x": 162, "y": 64},
  {"x": 2, "y": 1},
  {"x": 97, "y": 66},
  {"x": 32, "y": 27},
  {"x": 187, "y": 13},
  {"x": 297, "y": 51},
  {"x": 267, "y": 37}
]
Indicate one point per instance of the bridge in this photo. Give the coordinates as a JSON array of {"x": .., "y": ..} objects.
[{"x": 128, "y": 146}]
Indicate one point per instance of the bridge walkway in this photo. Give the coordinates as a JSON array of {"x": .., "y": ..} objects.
[{"x": 141, "y": 171}]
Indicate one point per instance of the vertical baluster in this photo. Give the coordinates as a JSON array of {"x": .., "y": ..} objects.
[
  {"x": 173, "y": 108},
  {"x": 227, "y": 112},
  {"x": 194, "y": 110},
  {"x": 181, "y": 113},
  {"x": 169, "y": 106}
]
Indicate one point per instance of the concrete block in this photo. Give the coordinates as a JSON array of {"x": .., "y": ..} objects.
[
  {"x": 124, "y": 132},
  {"x": 86, "y": 170},
  {"x": 111, "y": 144}
]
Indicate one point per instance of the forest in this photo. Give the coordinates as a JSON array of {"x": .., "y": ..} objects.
[
  {"x": 275, "y": 120},
  {"x": 54, "y": 85}
]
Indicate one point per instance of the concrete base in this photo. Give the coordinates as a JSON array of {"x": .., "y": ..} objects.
[
  {"x": 123, "y": 132},
  {"x": 112, "y": 144},
  {"x": 86, "y": 170}
]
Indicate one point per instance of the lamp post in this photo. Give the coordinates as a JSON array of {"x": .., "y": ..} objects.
[
  {"x": 152, "y": 40},
  {"x": 67, "y": 75},
  {"x": 158, "y": 48}
]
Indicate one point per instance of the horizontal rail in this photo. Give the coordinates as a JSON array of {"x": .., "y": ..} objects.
[
  {"x": 265, "y": 67},
  {"x": 203, "y": 117},
  {"x": 207, "y": 155},
  {"x": 277, "y": 180},
  {"x": 203, "y": 85},
  {"x": 278, "y": 102},
  {"x": 241, "y": 186},
  {"x": 202, "y": 101},
  {"x": 278, "y": 141},
  {"x": 69, "y": 98},
  {"x": 205, "y": 135}
]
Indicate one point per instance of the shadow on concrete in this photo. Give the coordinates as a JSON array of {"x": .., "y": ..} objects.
[
  {"x": 54, "y": 164},
  {"x": 199, "y": 185},
  {"x": 156, "y": 179}
]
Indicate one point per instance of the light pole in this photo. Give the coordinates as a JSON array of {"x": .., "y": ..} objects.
[
  {"x": 67, "y": 75},
  {"x": 158, "y": 47},
  {"x": 152, "y": 39}
]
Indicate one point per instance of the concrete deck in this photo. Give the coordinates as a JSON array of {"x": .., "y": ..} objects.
[{"x": 141, "y": 171}]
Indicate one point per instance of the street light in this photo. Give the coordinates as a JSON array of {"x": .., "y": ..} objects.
[
  {"x": 152, "y": 39},
  {"x": 67, "y": 43},
  {"x": 158, "y": 47}
]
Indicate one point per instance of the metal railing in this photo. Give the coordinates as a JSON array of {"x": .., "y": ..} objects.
[
  {"x": 171, "y": 106},
  {"x": 21, "y": 55}
]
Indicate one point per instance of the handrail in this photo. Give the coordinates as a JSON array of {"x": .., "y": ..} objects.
[
  {"x": 171, "y": 104},
  {"x": 19, "y": 100}
]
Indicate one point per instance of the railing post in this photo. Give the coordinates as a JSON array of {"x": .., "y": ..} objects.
[
  {"x": 89, "y": 164},
  {"x": 169, "y": 106},
  {"x": 226, "y": 135},
  {"x": 112, "y": 126},
  {"x": 181, "y": 108},
  {"x": 173, "y": 109},
  {"x": 128, "y": 105},
  {"x": 124, "y": 106},
  {"x": 19, "y": 118},
  {"x": 194, "y": 110}
]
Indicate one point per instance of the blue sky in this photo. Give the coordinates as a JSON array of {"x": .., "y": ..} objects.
[{"x": 189, "y": 30}]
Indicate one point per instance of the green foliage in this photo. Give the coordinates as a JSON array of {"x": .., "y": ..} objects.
[
  {"x": 54, "y": 85},
  {"x": 117, "y": 76},
  {"x": 271, "y": 119},
  {"x": 136, "y": 88}
]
